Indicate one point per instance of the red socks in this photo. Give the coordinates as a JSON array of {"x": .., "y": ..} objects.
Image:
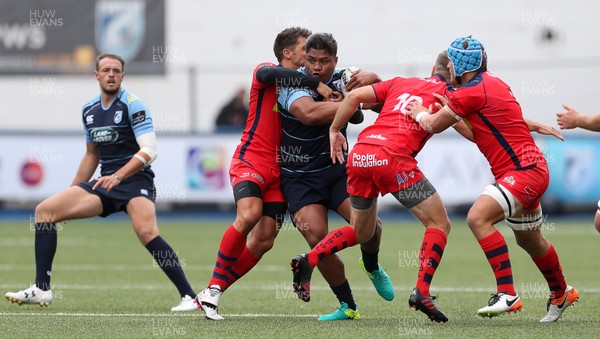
[
  {"x": 335, "y": 241},
  {"x": 549, "y": 265},
  {"x": 232, "y": 245},
  {"x": 496, "y": 252},
  {"x": 430, "y": 255},
  {"x": 243, "y": 265}
]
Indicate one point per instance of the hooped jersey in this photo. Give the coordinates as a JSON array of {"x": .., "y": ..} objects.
[
  {"x": 393, "y": 128},
  {"x": 487, "y": 104},
  {"x": 114, "y": 129},
  {"x": 305, "y": 149}
]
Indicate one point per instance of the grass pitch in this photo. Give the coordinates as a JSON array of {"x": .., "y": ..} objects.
[{"x": 107, "y": 285}]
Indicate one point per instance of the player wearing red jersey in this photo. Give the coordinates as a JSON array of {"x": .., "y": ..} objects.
[
  {"x": 520, "y": 171},
  {"x": 571, "y": 118},
  {"x": 383, "y": 161},
  {"x": 254, "y": 171}
]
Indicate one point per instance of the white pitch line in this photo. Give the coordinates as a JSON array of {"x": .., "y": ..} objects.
[
  {"x": 199, "y": 315},
  {"x": 283, "y": 287}
]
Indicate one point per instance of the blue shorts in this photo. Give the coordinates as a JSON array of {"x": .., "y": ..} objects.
[
  {"x": 327, "y": 188},
  {"x": 138, "y": 185}
]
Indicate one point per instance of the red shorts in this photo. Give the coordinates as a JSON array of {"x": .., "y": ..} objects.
[
  {"x": 373, "y": 169},
  {"x": 527, "y": 186},
  {"x": 267, "y": 178}
]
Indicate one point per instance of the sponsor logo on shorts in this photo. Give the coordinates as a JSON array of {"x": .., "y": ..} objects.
[
  {"x": 376, "y": 136},
  {"x": 144, "y": 191},
  {"x": 403, "y": 177},
  {"x": 531, "y": 193},
  {"x": 258, "y": 177},
  {"x": 367, "y": 160},
  {"x": 509, "y": 180}
]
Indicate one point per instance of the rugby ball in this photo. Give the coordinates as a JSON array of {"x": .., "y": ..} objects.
[{"x": 345, "y": 78}]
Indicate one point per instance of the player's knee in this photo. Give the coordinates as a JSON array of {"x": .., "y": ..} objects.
[
  {"x": 43, "y": 213},
  {"x": 474, "y": 220},
  {"x": 531, "y": 241},
  {"x": 247, "y": 218},
  {"x": 260, "y": 246},
  {"x": 377, "y": 227},
  {"x": 444, "y": 226},
  {"x": 313, "y": 236},
  {"x": 146, "y": 234},
  {"x": 363, "y": 234}
]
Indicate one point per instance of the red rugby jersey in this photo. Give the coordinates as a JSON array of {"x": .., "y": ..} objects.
[
  {"x": 487, "y": 104},
  {"x": 393, "y": 128},
  {"x": 262, "y": 135}
]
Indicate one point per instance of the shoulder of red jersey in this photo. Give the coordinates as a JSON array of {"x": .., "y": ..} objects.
[{"x": 263, "y": 64}]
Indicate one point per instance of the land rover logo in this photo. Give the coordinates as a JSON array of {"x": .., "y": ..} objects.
[{"x": 104, "y": 135}]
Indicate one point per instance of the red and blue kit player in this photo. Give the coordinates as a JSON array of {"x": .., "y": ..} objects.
[
  {"x": 520, "y": 171},
  {"x": 383, "y": 161},
  {"x": 254, "y": 171},
  {"x": 120, "y": 137}
]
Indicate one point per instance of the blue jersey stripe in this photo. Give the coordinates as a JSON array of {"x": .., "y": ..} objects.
[{"x": 505, "y": 145}]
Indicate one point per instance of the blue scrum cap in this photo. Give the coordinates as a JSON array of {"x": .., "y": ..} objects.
[{"x": 466, "y": 59}]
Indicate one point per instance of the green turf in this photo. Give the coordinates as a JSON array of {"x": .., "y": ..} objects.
[{"x": 106, "y": 285}]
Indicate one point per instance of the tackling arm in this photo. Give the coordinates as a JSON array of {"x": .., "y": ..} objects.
[
  {"x": 464, "y": 130},
  {"x": 432, "y": 123},
  {"x": 288, "y": 77},
  {"x": 348, "y": 107}
]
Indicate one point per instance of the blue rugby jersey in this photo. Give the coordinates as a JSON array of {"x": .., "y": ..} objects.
[
  {"x": 113, "y": 129},
  {"x": 304, "y": 149}
]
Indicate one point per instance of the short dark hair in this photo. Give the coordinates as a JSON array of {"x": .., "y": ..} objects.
[
  {"x": 112, "y": 56},
  {"x": 287, "y": 39},
  {"x": 324, "y": 41}
]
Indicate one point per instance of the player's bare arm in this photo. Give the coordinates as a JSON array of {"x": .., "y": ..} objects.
[
  {"x": 310, "y": 112},
  {"x": 461, "y": 127},
  {"x": 139, "y": 161},
  {"x": 432, "y": 123},
  {"x": 464, "y": 130},
  {"x": 350, "y": 104},
  {"x": 571, "y": 118},
  {"x": 87, "y": 166},
  {"x": 540, "y": 128},
  {"x": 344, "y": 113}
]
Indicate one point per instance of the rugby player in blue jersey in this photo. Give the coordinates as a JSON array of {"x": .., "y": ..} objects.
[
  {"x": 311, "y": 184},
  {"x": 120, "y": 137}
]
